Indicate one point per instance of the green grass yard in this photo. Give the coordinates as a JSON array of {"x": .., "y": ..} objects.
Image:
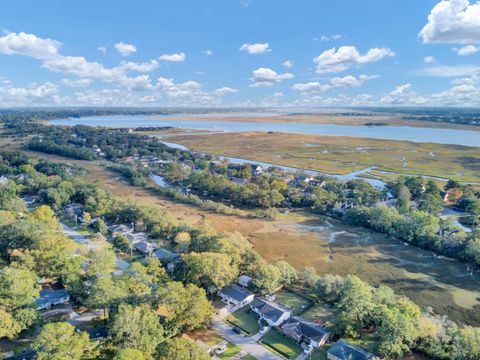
[
  {"x": 320, "y": 312},
  {"x": 245, "y": 320},
  {"x": 231, "y": 351},
  {"x": 298, "y": 303},
  {"x": 281, "y": 344}
]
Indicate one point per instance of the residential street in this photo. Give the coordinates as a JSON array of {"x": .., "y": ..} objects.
[
  {"x": 91, "y": 245},
  {"x": 247, "y": 344}
]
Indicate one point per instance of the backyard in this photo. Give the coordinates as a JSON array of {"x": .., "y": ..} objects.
[{"x": 298, "y": 303}]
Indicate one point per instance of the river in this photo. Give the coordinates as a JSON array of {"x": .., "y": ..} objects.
[{"x": 405, "y": 133}]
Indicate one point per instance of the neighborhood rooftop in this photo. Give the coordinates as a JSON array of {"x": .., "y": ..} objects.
[
  {"x": 342, "y": 350},
  {"x": 269, "y": 309},
  {"x": 236, "y": 292},
  {"x": 304, "y": 328}
]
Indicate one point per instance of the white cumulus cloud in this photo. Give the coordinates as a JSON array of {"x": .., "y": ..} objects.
[
  {"x": 311, "y": 86},
  {"x": 267, "y": 77},
  {"x": 224, "y": 91},
  {"x": 76, "y": 83},
  {"x": 429, "y": 59},
  {"x": 288, "y": 64},
  {"x": 453, "y": 21},
  {"x": 125, "y": 49},
  {"x": 256, "y": 48},
  {"x": 173, "y": 57},
  {"x": 334, "y": 60},
  {"x": 449, "y": 71},
  {"x": 467, "y": 50}
]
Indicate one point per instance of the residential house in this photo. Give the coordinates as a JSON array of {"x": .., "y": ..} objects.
[
  {"x": 49, "y": 298},
  {"x": 272, "y": 313},
  {"x": 164, "y": 255},
  {"x": 236, "y": 295},
  {"x": 257, "y": 170},
  {"x": 244, "y": 280},
  {"x": 302, "y": 180},
  {"x": 144, "y": 247},
  {"x": 136, "y": 237},
  {"x": 301, "y": 330},
  {"x": 120, "y": 229},
  {"x": 342, "y": 350}
]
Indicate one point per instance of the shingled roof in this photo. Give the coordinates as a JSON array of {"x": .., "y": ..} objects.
[
  {"x": 345, "y": 351},
  {"x": 304, "y": 328}
]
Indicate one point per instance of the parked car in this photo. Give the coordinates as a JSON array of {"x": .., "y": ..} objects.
[
  {"x": 221, "y": 349},
  {"x": 264, "y": 329},
  {"x": 308, "y": 350},
  {"x": 237, "y": 330}
]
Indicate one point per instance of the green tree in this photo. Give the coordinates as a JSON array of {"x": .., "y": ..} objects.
[
  {"x": 182, "y": 241},
  {"x": 308, "y": 277},
  {"x": 184, "y": 308},
  {"x": 129, "y": 354},
  {"x": 136, "y": 327},
  {"x": 122, "y": 244},
  {"x": 180, "y": 348},
  {"x": 355, "y": 304},
  {"x": 59, "y": 341},
  {"x": 288, "y": 274},
  {"x": 210, "y": 270},
  {"x": 18, "y": 287},
  {"x": 266, "y": 278},
  {"x": 100, "y": 226},
  {"x": 104, "y": 293}
]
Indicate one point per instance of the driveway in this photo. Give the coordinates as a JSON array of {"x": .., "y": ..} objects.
[{"x": 247, "y": 344}]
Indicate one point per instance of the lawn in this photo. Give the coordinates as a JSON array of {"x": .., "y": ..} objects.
[
  {"x": 232, "y": 350},
  {"x": 320, "y": 312},
  {"x": 207, "y": 336},
  {"x": 249, "y": 357},
  {"x": 245, "y": 320},
  {"x": 284, "y": 346},
  {"x": 298, "y": 303}
]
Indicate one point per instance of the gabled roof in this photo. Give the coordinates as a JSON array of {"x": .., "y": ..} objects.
[
  {"x": 164, "y": 254},
  {"x": 304, "y": 328},
  {"x": 345, "y": 351},
  {"x": 269, "y": 309},
  {"x": 48, "y": 296},
  {"x": 144, "y": 246},
  {"x": 236, "y": 292}
]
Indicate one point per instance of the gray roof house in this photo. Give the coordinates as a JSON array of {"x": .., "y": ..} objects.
[
  {"x": 301, "y": 330},
  {"x": 144, "y": 247},
  {"x": 273, "y": 313},
  {"x": 136, "y": 237},
  {"x": 236, "y": 295},
  {"x": 164, "y": 255},
  {"x": 49, "y": 298},
  {"x": 342, "y": 350}
]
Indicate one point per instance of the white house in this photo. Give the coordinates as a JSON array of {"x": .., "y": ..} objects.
[
  {"x": 273, "y": 313},
  {"x": 236, "y": 295}
]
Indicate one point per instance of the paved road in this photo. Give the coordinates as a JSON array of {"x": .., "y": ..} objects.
[
  {"x": 247, "y": 344},
  {"x": 92, "y": 245}
]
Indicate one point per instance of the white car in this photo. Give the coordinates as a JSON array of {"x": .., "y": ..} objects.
[
  {"x": 221, "y": 349},
  {"x": 264, "y": 330},
  {"x": 308, "y": 350}
]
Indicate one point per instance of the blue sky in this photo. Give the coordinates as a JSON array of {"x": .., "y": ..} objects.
[{"x": 240, "y": 53}]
